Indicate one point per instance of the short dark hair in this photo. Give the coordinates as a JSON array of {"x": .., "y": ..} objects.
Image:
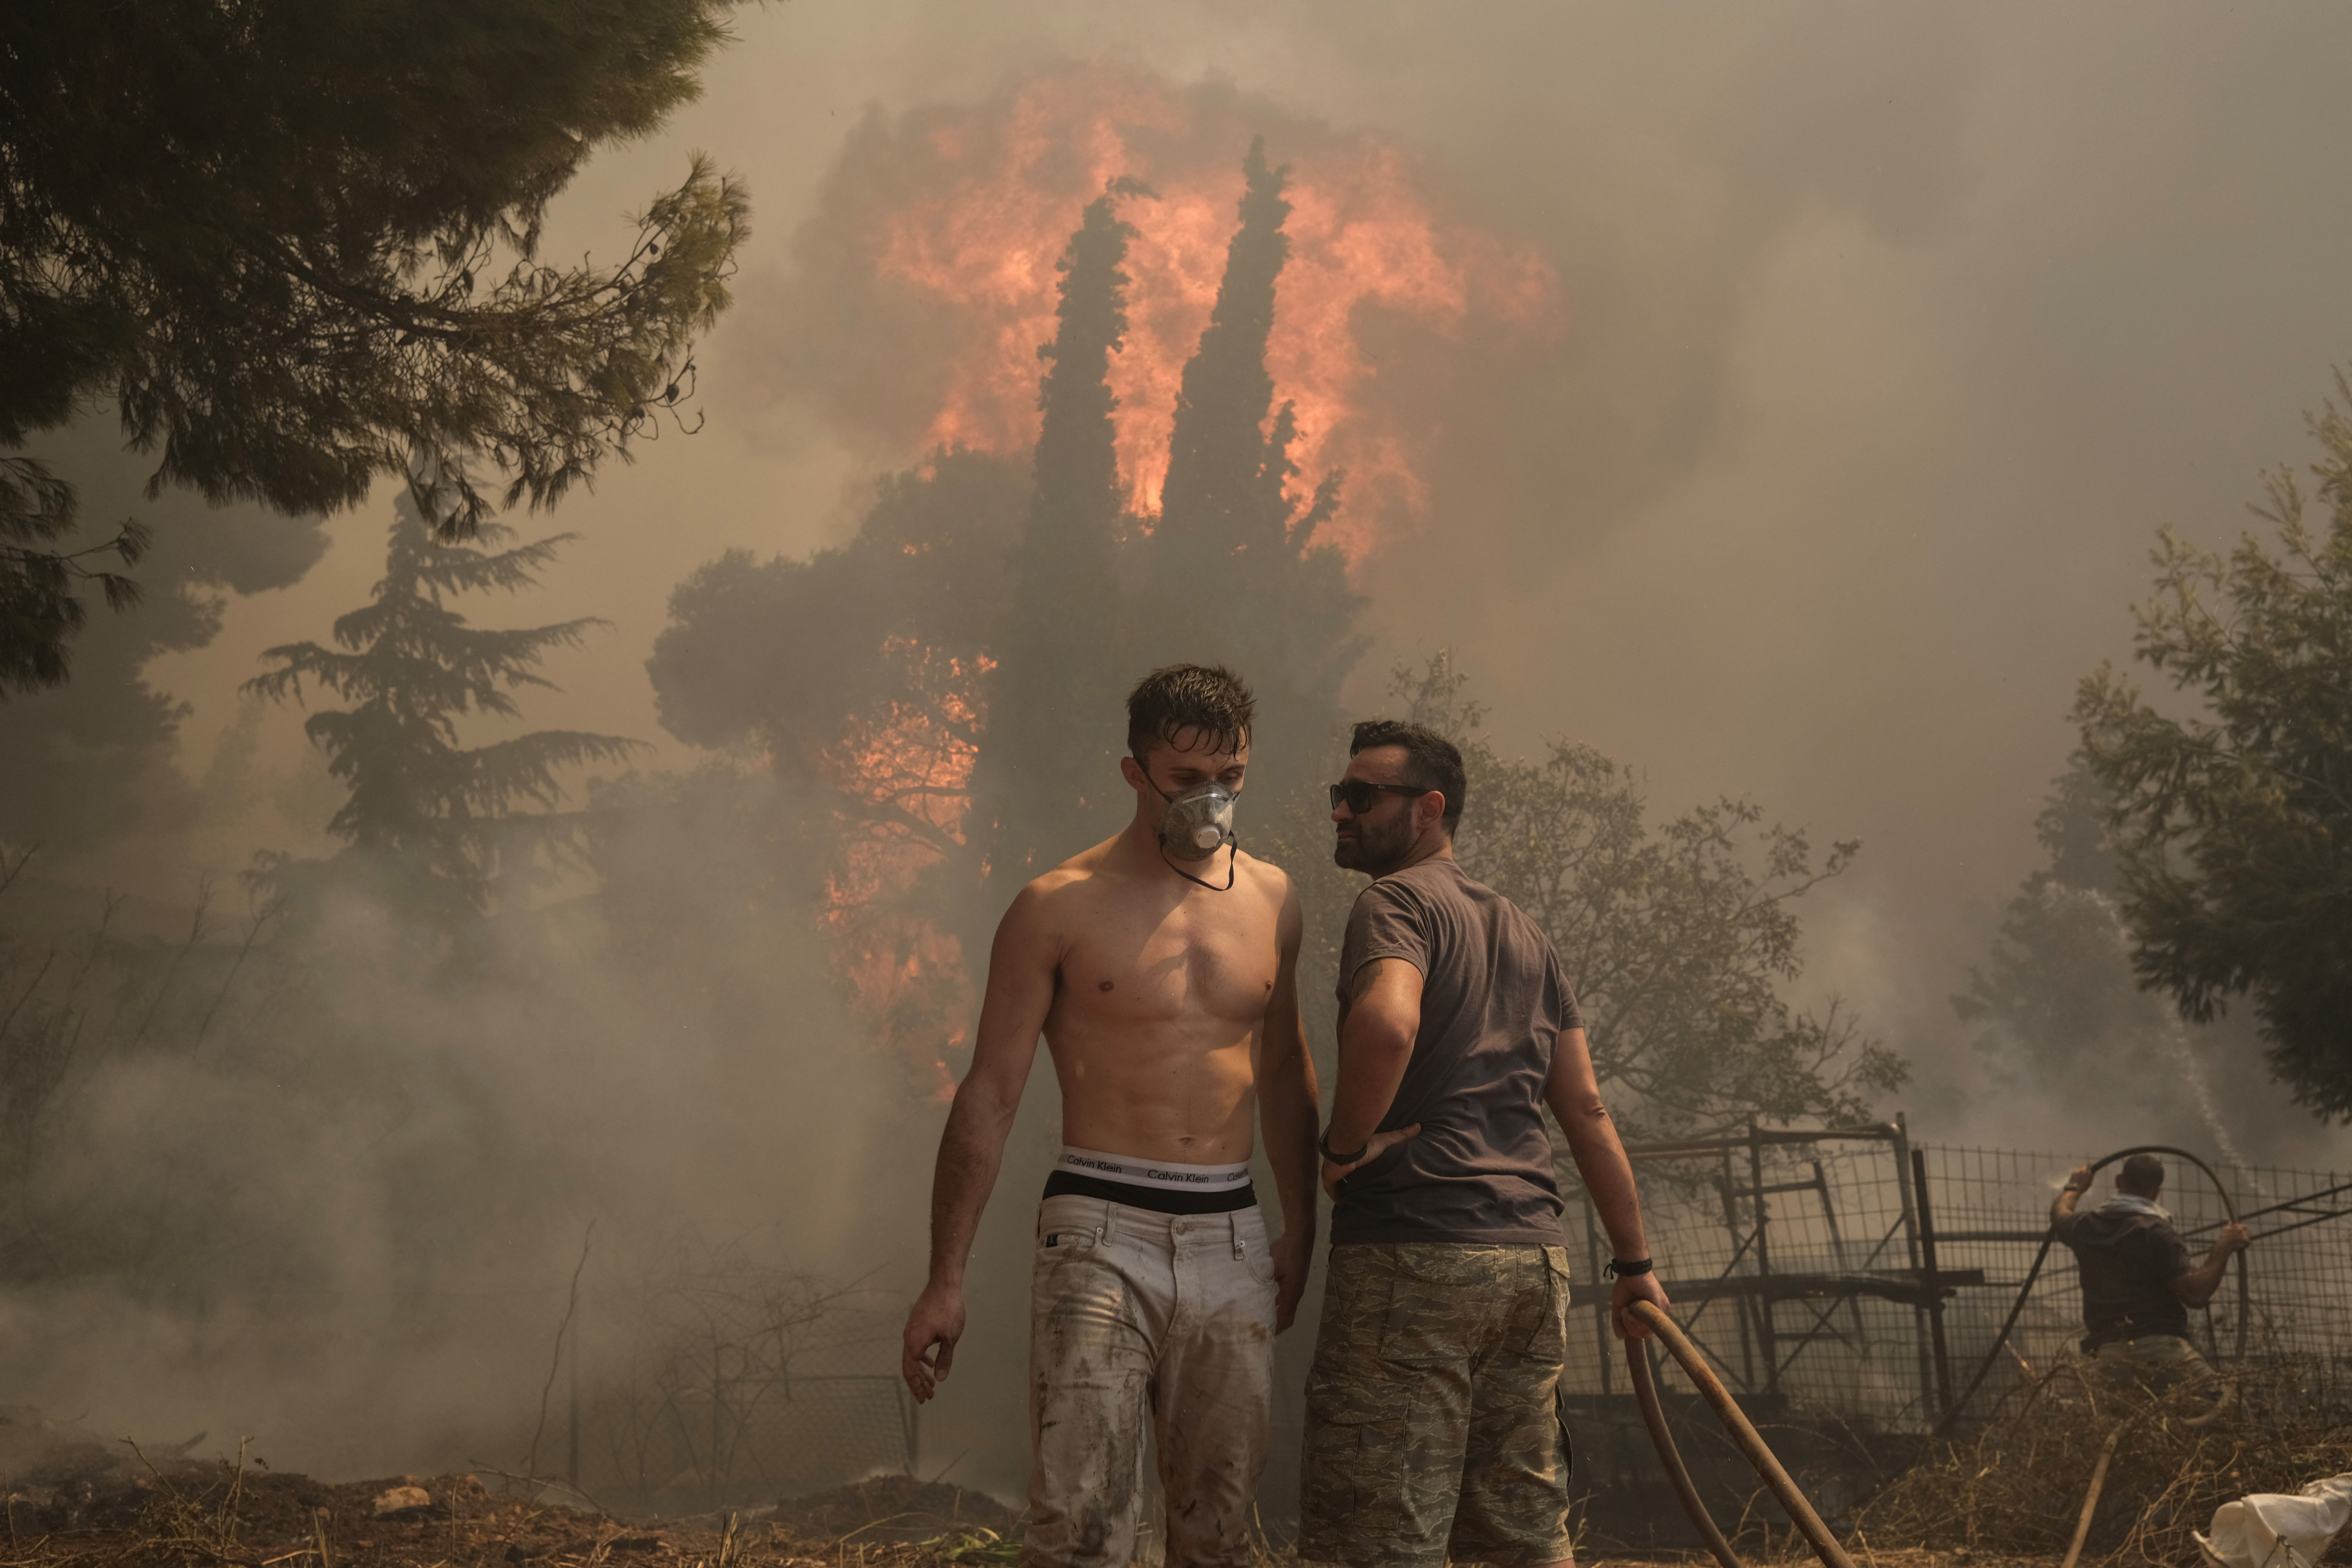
[
  {"x": 1175, "y": 698},
  {"x": 1431, "y": 761},
  {"x": 2143, "y": 1175}
]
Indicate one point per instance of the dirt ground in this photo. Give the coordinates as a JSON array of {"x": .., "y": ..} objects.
[{"x": 185, "y": 1515}]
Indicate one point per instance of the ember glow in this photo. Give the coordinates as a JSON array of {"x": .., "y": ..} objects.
[
  {"x": 1001, "y": 187},
  {"x": 904, "y": 773}
]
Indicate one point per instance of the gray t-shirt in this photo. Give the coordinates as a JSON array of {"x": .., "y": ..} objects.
[{"x": 1493, "y": 1004}]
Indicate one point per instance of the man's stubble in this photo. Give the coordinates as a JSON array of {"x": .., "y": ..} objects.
[{"x": 1378, "y": 847}]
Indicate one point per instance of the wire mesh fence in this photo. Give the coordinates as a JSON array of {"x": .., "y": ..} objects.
[{"x": 1854, "y": 1273}]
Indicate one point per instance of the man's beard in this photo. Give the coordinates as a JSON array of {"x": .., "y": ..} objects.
[{"x": 1377, "y": 850}]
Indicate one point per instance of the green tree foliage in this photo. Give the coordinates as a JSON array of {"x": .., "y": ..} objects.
[
  {"x": 431, "y": 824},
  {"x": 1678, "y": 938},
  {"x": 292, "y": 242},
  {"x": 88, "y": 767},
  {"x": 41, "y": 609},
  {"x": 2232, "y": 813},
  {"x": 1048, "y": 768}
]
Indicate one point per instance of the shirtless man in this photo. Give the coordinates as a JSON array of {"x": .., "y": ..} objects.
[{"x": 1160, "y": 967}]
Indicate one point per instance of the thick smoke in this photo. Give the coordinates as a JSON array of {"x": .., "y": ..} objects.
[{"x": 1886, "y": 341}]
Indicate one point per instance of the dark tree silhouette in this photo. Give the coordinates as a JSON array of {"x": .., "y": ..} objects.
[
  {"x": 859, "y": 675},
  {"x": 1235, "y": 573},
  {"x": 430, "y": 824},
  {"x": 294, "y": 241},
  {"x": 1047, "y": 781}
]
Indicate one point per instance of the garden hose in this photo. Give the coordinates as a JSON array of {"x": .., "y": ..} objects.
[
  {"x": 1768, "y": 1468},
  {"x": 2017, "y": 1308}
]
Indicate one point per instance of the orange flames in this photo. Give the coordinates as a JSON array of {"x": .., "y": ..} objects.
[
  {"x": 932, "y": 265},
  {"x": 904, "y": 774},
  {"x": 1002, "y": 187}
]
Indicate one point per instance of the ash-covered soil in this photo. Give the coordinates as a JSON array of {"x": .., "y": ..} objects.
[
  {"x": 92, "y": 1510},
  {"x": 187, "y": 1515}
]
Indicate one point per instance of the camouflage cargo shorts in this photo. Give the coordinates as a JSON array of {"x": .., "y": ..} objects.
[
  {"x": 2158, "y": 1363},
  {"x": 1433, "y": 1419}
]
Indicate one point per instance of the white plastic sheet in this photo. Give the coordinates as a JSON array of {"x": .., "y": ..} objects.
[{"x": 2270, "y": 1530}]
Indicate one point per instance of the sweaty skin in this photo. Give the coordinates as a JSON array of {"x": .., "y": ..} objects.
[{"x": 1170, "y": 1011}]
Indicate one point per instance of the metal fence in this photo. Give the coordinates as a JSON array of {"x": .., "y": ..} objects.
[{"x": 1856, "y": 1274}]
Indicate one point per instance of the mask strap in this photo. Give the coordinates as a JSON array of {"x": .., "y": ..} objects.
[
  {"x": 1232, "y": 865},
  {"x": 1163, "y": 793}
]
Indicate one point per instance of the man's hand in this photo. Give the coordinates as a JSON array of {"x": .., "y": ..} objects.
[
  {"x": 2232, "y": 1237},
  {"x": 2079, "y": 1180},
  {"x": 928, "y": 1348},
  {"x": 1629, "y": 1288},
  {"x": 1377, "y": 1145},
  {"x": 1294, "y": 1254}
]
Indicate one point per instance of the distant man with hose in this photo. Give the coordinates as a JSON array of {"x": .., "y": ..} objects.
[
  {"x": 1433, "y": 1424},
  {"x": 2137, "y": 1282}
]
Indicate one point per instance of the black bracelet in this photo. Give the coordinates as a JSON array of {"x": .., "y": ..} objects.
[
  {"x": 1618, "y": 1267},
  {"x": 1323, "y": 1146}
]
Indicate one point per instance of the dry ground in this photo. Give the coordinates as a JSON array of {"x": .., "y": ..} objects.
[{"x": 183, "y": 1515}]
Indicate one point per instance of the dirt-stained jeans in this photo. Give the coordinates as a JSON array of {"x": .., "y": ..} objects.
[{"x": 1132, "y": 1311}]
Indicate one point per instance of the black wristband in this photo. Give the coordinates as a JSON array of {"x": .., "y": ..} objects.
[
  {"x": 1618, "y": 1267},
  {"x": 1323, "y": 1146}
]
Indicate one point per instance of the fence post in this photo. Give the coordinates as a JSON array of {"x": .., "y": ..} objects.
[
  {"x": 1911, "y": 1247},
  {"x": 1934, "y": 1280},
  {"x": 1767, "y": 1334},
  {"x": 1743, "y": 1307}
]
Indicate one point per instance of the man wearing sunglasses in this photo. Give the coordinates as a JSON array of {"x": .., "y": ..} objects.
[
  {"x": 1161, "y": 966},
  {"x": 1433, "y": 1431}
]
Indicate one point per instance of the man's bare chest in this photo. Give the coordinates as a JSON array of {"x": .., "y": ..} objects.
[{"x": 1189, "y": 964}]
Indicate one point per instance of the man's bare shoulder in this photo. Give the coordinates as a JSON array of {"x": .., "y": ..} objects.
[
  {"x": 1073, "y": 878},
  {"x": 1263, "y": 876}
]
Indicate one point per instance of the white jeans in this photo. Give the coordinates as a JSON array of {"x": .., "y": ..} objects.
[{"x": 1129, "y": 1310}]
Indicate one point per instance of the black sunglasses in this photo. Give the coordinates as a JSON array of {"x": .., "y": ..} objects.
[{"x": 1359, "y": 794}]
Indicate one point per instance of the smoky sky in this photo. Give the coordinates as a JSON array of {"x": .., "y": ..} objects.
[{"x": 1891, "y": 337}]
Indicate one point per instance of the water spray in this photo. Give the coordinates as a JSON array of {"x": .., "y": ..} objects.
[{"x": 2017, "y": 1308}]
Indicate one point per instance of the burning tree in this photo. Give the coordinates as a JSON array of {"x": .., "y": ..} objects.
[
  {"x": 855, "y": 680},
  {"x": 961, "y": 718},
  {"x": 1237, "y": 572},
  {"x": 1047, "y": 766},
  {"x": 430, "y": 824}
]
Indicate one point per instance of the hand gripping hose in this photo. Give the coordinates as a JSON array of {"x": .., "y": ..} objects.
[
  {"x": 1645, "y": 1390},
  {"x": 2026, "y": 1290}
]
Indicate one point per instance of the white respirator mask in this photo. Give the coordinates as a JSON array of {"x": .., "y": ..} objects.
[{"x": 1196, "y": 823}]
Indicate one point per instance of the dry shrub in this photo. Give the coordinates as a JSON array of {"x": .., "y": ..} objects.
[{"x": 2018, "y": 1486}]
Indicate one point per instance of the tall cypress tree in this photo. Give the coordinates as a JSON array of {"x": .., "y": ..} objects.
[
  {"x": 1234, "y": 572},
  {"x": 430, "y": 824},
  {"x": 1046, "y": 782},
  {"x": 1214, "y": 502}
]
